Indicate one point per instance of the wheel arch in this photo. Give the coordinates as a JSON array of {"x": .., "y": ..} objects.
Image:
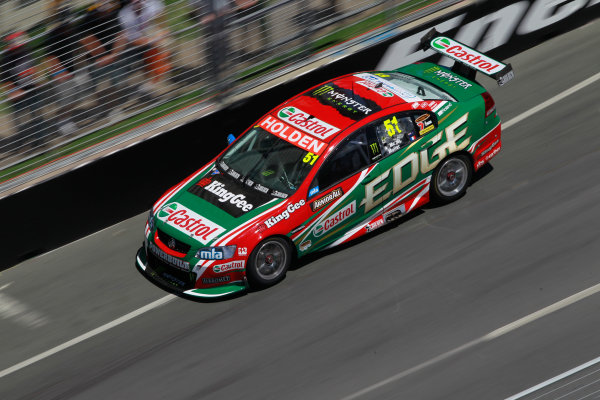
[{"x": 464, "y": 153}]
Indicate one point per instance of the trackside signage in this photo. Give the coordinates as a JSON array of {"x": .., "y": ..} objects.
[
  {"x": 462, "y": 53},
  {"x": 307, "y": 123},
  {"x": 291, "y": 135},
  {"x": 189, "y": 223}
]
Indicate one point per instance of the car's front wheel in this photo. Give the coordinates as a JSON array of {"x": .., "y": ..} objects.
[
  {"x": 269, "y": 262},
  {"x": 451, "y": 178}
]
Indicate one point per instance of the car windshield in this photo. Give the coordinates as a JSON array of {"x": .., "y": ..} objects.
[
  {"x": 424, "y": 90},
  {"x": 259, "y": 157}
]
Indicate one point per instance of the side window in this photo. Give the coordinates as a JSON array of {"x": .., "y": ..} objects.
[
  {"x": 398, "y": 130},
  {"x": 354, "y": 154},
  {"x": 394, "y": 132}
]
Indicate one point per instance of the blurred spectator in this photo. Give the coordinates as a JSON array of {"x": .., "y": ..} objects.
[
  {"x": 61, "y": 49},
  {"x": 210, "y": 14},
  {"x": 248, "y": 7},
  {"x": 18, "y": 77},
  {"x": 103, "y": 40},
  {"x": 146, "y": 32}
]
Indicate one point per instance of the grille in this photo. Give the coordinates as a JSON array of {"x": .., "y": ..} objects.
[
  {"x": 169, "y": 275},
  {"x": 179, "y": 246}
]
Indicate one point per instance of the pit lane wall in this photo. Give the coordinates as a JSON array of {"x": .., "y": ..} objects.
[{"x": 126, "y": 183}]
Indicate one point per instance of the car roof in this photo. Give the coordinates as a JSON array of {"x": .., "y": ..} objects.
[{"x": 342, "y": 102}]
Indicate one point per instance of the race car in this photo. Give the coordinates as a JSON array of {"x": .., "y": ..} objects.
[{"x": 330, "y": 165}]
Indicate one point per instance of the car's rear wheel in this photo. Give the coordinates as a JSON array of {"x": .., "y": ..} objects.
[
  {"x": 269, "y": 262},
  {"x": 451, "y": 178}
]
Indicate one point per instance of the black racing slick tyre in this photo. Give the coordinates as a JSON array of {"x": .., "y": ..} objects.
[
  {"x": 269, "y": 262},
  {"x": 451, "y": 178}
]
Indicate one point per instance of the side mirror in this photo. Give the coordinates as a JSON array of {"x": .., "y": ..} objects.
[{"x": 230, "y": 139}]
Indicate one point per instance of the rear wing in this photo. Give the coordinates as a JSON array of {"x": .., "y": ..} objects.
[{"x": 469, "y": 60}]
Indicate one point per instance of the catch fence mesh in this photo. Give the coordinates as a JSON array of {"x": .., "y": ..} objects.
[{"x": 193, "y": 54}]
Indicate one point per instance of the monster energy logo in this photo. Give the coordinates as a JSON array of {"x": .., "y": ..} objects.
[
  {"x": 374, "y": 148},
  {"x": 432, "y": 69},
  {"x": 323, "y": 90}
]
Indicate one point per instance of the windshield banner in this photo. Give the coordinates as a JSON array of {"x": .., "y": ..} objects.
[{"x": 291, "y": 135}]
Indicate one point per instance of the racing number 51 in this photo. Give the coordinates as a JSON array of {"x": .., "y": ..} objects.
[
  {"x": 390, "y": 124},
  {"x": 310, "y": 157}
]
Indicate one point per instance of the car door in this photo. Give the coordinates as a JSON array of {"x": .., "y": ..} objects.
[
  {"x": 337, "y": 193},
  {"x": 402, "y": 136}
]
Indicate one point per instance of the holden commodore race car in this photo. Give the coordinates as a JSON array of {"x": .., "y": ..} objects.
[{"x": 331, "y": 164}]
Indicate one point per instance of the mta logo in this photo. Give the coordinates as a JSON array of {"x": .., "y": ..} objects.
[{"x": 211, "y": 254}]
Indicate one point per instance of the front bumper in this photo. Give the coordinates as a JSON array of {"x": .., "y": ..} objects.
[{"x": 181, "y": 282}]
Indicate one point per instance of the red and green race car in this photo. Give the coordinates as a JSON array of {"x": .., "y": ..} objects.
[{"x": 327, "y": 166}]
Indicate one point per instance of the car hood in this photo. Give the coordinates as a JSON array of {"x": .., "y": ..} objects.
[{"x": 210, "y": 206}]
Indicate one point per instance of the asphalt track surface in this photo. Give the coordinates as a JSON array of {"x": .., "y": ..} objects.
[{"x": 479, "y": 299}]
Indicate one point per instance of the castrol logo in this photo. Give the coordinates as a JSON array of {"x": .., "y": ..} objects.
[
  {"x": 459, "y": 51},
  {"x": 189, "y": 223},
  {"x": 307, "y": 123}
]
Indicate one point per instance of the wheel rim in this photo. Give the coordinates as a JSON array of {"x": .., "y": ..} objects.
[
  {"x": 271, "y": 259},
  {"x": 452, "y": 178}
]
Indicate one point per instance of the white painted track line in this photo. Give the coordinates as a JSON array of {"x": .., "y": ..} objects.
[
  {"x": 90, "y": 334},
  {"x": 555, "y": 379},
  {"x": 552, "y": 100},
  {"x": 488, "y": 337}
]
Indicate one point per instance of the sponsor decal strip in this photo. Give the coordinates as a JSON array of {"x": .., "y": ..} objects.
[
  {"x": 398, "y": 199},
  {"x": 385, "y": 84},
  {"x": 324, "y": 215},
  {"x": 322, "y": 201},
  {"x": 440, "y": 105},
  {"x": 291, "y": 135},
  {"x": 330, "y": 226},
  {"x": 361, "y": 226},
  {"x": 472, "y": 147},
  {"x": 418, "y": 198},
  {"x": 306, "y": 122}
]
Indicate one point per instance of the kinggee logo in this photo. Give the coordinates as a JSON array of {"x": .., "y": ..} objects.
[
  {"x": 219, "y": 189},
  {"x": 440, "y": 43}
]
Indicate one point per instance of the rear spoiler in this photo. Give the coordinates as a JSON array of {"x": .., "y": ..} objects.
[{"x": 469, "y": 60}]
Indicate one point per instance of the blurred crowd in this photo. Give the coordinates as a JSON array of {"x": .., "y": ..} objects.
[{"x": 86, "y": 64}]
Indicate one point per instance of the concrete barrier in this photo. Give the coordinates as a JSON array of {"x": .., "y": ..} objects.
[{"x": 126, "y": 183}]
